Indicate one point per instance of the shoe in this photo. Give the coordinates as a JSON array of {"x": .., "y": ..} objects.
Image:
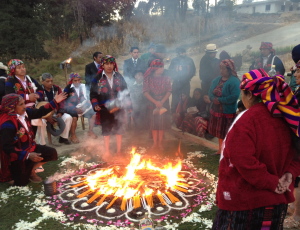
[
  {"x": 39, "y": 169},
  {"x": 35, "y": 179},
  {"x": 64, "y": 141}
]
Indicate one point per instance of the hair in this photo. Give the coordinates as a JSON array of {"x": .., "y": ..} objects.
[
  {"x": 134, "y": 48},
  {"x": 3, "y": 73},
  {"x": 257, "y": 98},
  {"x": 46, "y": 76},
  {"x": 240, "y": 104},
  {"x": 199, "y": 90},
  {"x": 95, "y": 55}
]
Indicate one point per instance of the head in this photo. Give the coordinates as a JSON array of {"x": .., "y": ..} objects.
[
  {"x": 156, "y": 68},
  {"x": 16, "y": 67},
  {"x": 224, "y": 55},
  {"x": 296, "y": 53},
  {"x": 75, "y": 79},
  {"x": 160, "y": 51},
  {"x": 197, "y": 94},
  {"x": 211, "y": 50},
  {"x": 297, "y": 73},
  {"x": 139, "y": 77},
  {"x": 227, "y": 68},
  {"x": 47, "y": 80},
  {"x": 180, "y": 51},
  {"x": 109, "y": 64},
  {"x": 97, "y": 57},
  {"x": 13, "y": 104},
  {"x": 266, "y": 48},
  {"x": 151, "y": 48},
  {"x": 134, "y": 51}
]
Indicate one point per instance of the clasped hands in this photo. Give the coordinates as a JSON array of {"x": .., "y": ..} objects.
[{"x": 284, "y": 183}]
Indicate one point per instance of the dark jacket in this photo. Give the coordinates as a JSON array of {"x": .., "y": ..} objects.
[
  {"x": 182, "y": 69},
  {"x": 2, "y": 87},
  {"x": 129, "y": 69},
  {"x": 90, "y": 72},
  {"x": 209, "y": 68}
]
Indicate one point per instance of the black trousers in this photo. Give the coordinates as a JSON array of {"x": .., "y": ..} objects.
[{"x": 21, "y": 170}]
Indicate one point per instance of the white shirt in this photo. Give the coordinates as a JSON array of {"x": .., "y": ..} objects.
[
  {"x": 21, "y": 118},
  {"x": 82, "y": 86},
  {"x": 96, "y": 64},
  {"x": 265, "y": 60},
  {"x": 110, "y": 80}
]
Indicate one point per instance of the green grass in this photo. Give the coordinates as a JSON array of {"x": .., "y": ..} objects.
[{"x": 13, "y": 211}]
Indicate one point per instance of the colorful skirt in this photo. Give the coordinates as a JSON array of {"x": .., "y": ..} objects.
[
  {"x": 194, "y": 125},
  {"x": 264, "y": 218},
  {"x": 219, "y": 123}
]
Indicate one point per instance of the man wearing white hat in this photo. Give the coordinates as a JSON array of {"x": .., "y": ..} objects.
[
  {"x": 209, "y": 69},
  {"x": 3, "y": 76}
]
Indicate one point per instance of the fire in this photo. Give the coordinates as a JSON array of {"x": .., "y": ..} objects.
[
  {"x": 67, "y": 61},
  {"x": 138, "y": 182}
]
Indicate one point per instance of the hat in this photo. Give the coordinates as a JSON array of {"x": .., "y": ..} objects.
[
  {"x": 2, "y": 66},
  {"x": 211, "y": 48}
]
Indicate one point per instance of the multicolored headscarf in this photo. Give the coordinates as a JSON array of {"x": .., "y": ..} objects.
[
  {"x": 267, "y": 45},
  {"x": 9, "y": 103},
  {"x": 108, "y": 59},
  {"x": 229, "y": 63},
  {"x": 275, "y": 94},
  {"x": 12, "y": 64},
  {"x": 154, "y": 65},
  {"x": 72, "y": 76}
]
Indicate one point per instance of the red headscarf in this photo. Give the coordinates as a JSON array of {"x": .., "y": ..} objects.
[
  {"x": 12, "y": 65},
  {"x": 154, "y": 65},
  {"x": 108, "y": 59},
  {"x": 72, "y": 76},
  {"x": 267, "y": 45},
  {"x": 229, "y": 63}
]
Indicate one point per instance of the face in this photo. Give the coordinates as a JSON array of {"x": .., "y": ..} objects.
[
  {"x": 21, "y": 107},
  {"x": 246, "y": 99},
  {"x": 297, "y": 76},
  {"x": 159, "y": 71},
  {"x": 98, "y": 58},
  {"x": 20, "y": 70},
  {"x": 224, "y": 71},
  {"x": 76, "y": 81},
  {"x": 48, "y": 83},
  {"x": 108, "y": 67},
  {"x": 135, "y": 53},
  {"x": 197, "y": 95},
  {"x": 265, "y": 52},
  {"x": 213, "y": 55}
]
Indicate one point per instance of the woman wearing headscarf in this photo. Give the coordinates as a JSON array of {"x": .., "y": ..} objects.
[
  {"x": 157, "y": 89},
  {"x": 258, "y": 159},
  {"x": 77, "y": 104},
  {"x": 19, "y": 153},
  {"x": 223, "y": 93},
  {"x": 110, "y": 98}
]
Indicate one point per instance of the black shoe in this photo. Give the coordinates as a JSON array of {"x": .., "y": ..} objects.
[{"x": 64, "y": 141}]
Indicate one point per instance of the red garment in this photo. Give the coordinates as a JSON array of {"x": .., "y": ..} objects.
[{"x": 258, "y": 151}]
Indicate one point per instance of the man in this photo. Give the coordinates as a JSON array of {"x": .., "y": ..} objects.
[
  {"x": 159, "y": 53},
  {"x": 132, "y": 65},
  {"x": 50, "y": 90},
  {"x": 151, "y": 49},
  {"x": 267, "y": 59},
  {"x": 181, "y": 70},
  {"x": 3, "y": 76},
  {"x": 92, "y": 69},
  {"x": 209, "y": 69}
]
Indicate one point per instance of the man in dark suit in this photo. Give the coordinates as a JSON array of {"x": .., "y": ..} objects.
[
  {"x": 92, "y": 69},
  {"x": 133, "y": 65}
]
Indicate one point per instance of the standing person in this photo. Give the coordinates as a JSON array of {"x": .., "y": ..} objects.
[
  {"x": 19, "y": 153},
  {"x": 224, "y": 93},
  {"x": 267, "y": 59},
  {"x": 145, "y": 57},
  {"x": 92, "y": 69},
  {"x": 77, "y": 104},
  {"x": 160, "y": 53},
  {"x": 209, "y": 69},
  {"x": 258, "y": 163},
  {"x": 109, "y": 98},
  {"x": 157, "y": 89},
  {"x": 50, "y": 90},
  {"x": 182, "y": 69},
  {"x": 296, "y": 59},
  {"x": 3, "y": 76},
  {"x": 20, "y": 83},
  {"x": 132, "y": 65}
]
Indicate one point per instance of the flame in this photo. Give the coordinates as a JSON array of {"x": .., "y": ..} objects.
[
  {"x": 68, "y": 60},
  {"x": 139, "y": 179}
]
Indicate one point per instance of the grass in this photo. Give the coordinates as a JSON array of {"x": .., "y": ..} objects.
[{"x": 13, "y": 211}]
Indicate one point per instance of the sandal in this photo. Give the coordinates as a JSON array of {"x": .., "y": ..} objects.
[
  {"x": 74, "y": 140},
  {"x": 290, "y": 222}
]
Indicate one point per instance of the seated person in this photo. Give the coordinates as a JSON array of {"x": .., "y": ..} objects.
[
  {"x": 78, "y": 105},
  {"x": 50, "y": 90},
  {"x": 139, "y": 102},
  {"x": 196, "y": 119},
  {"x": 19, "y": 153},
  {"x": 181, "y": 109}
]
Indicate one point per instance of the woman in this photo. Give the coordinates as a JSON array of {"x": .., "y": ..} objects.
[
  {"x": 157, "y": 89},
  {"x": 195, "y": 123},
  {"x": 77, "y": 96},
  {"x": 224, "y": 93},
  {"x": 109, "y": 98},
  {"x": 20, "y": 155},
  {"x": 181, "y": 109},
  {"x": 257, "y": 160}
]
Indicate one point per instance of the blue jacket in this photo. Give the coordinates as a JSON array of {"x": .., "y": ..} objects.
[{"x": 230, "y": 93}]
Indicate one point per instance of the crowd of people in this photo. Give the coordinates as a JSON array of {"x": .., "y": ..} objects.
[{"x": 255, "y": 182}]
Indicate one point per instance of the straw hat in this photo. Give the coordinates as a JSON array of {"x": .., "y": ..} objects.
[
  {"x": 211, "y": 48},
  {"x": 3, "y": 66}
]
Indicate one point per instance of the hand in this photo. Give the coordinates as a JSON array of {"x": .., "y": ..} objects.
[
  {"x": 33, "y": 97},
  {"x": 206, "y": 99},
  {"x": 60, "y": 97},
  {"x": 285, "y": 181},
  {"x": 97, "y": 108},
  {"x": 50, "y": 120},
  {"x": 216, "y": 101},
  {"x": 158, "y": 104},
  {"x": 35, "y": 157}
]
